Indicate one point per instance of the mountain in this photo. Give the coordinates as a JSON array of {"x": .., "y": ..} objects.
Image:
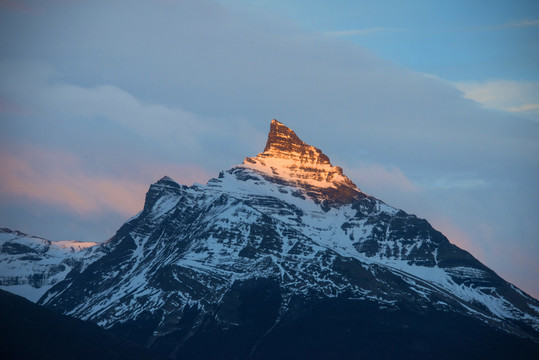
[
  {"x": 284, "y": 257},
  {"x": 30, "y": 332},
  {"x": 29, "y": 265}
]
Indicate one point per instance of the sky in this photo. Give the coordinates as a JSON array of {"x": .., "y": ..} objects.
[{"x": 432, "y": 107}]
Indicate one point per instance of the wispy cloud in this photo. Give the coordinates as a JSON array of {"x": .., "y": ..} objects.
[
  {"x": 367, "y": 31},
  {"x": 150, "y": 120},
  {"x": 380, "y": 178},
  {"x": 519, "y": 24},
  {"x": 514, "y": 96},
  {"x": 63, "y": 183},
  {"x": 524, "y": 108}
]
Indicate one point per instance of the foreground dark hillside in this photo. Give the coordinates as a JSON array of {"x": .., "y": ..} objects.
[{"x": 30, "y": 331}]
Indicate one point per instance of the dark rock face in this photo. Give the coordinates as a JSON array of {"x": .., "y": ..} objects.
[
  {"x": 271, "y": 260},
  {"x": 17, "y": 249}
]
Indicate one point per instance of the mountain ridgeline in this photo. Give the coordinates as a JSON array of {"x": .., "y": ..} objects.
[{"x": 284, "y": 257}]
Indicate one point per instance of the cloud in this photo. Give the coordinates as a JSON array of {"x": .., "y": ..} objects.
[
  {"x": 513, "y": 96},
  {"x": 60, "y": 111},
  {"x": 38, "y": 87},
  {"x": 379, "y": 179},
  {"x": 155, "y": 121},
  {"x": 520, "y": 24},
  {"x": 367, "y": 31},
  {"x": 60, "y": 180},
  {"x": 524, "y": 108}
]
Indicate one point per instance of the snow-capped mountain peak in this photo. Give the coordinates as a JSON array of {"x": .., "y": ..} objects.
[{"x": 287, "y": 159}]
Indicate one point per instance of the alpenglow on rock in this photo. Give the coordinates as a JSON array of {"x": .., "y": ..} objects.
[
  {"x": 284, "y": 257},
  {"x": 288, "y": 160}
]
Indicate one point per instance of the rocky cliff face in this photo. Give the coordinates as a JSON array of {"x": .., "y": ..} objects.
[{"x": 285, "y": 252}]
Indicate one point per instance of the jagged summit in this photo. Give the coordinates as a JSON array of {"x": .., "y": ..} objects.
[
  {"x": 287, "y": 159},
  {"x": 283, "y": 141}
]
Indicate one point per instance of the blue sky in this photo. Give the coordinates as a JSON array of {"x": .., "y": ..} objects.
[
  {"x": 455, "y": 40},
  {"x": 433, "y": 109},
  {"x": 488, "y": 49}
]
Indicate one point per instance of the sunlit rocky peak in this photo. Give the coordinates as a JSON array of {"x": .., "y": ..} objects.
[{"x": 290, "y": 159}]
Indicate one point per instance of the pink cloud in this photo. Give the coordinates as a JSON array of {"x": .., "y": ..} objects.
[
  {"x": 378, "y": 178},
  {"x": 18, "y": 6},
  {"x": 60, "y": 180},
  {"x": 10, "y": 107},
  {"x": 458, "y": 236}
]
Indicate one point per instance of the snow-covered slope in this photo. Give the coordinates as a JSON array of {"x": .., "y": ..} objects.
[{"x": 29, "y": 265}]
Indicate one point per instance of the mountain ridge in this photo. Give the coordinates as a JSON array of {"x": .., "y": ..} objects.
[{"x": 30, "y": 265}]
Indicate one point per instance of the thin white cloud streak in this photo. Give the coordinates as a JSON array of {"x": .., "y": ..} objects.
[
  {"x": 506, "y": 95},
  {"x": 520, "y": 24},
  {"x": 367, "y": 31},
  {"x": 524, "y": 108}
]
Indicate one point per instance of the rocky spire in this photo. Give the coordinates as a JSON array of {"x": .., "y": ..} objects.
[
  {"x": 283, "y": 142},
  {"x": 281, "y": 137},
  {"x": 287, "y": 158}
]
